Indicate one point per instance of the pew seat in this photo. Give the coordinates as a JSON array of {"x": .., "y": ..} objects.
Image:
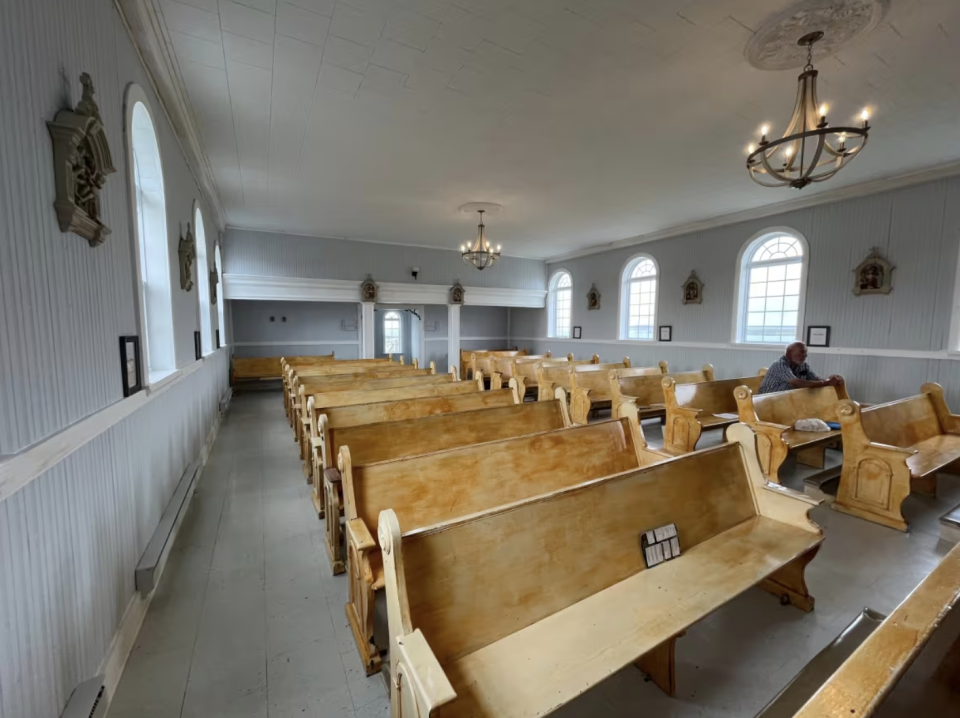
[
  {"x": 892, "y": 449},
  {"x": 475, "y": 633},
  {"x": 644, "y": 389}
]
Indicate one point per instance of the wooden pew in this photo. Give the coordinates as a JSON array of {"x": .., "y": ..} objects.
[
  {"x": 483, "y": 361},
  {"x": 551, "y": 375},
  {"x": 392, "y": 440},
  {"x": 517, "y": 610},
  {"x": 893, "y": 448},
  {"x": 525, "y": 372},
  {"x": 260, "y": 368},
  {"x": 468, "y": 358},
  {"x": 642, "y": 387},
  {"x": 924, "y": 626},
  {"x": 590, "y": 387},
  {"x": 319, "y": 401},
  {"x": 773, "y": 415},
  {"x": 431, "y": 488},
  {"x": 501, "y": 368},
  {"x": 325, "y": 368},
  {"x": 701, "y": 406}
]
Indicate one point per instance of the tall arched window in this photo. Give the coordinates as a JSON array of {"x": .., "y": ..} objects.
[
  {"x": 221, "y": 301},
  {"x": 560, "y": 301},
  {"x": 392, "y": 338},
  {"x": 638, "y": 298},
  {"x": 153, "y": 245},
  {"x": 203, "y": 282},
  {"x": 771, "y": 283}
]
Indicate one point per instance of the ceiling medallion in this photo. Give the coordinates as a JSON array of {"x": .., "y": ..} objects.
[
  {"x": 480, "y": 254},
  {"x": 810, "y": 150},
  {"x": 774, "y": 47}
]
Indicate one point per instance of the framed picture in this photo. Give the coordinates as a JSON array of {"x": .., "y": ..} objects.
[
  {"x": 577, "y": 332},
  {"x": 197, "y": 346},
  {"x": 818, "y": 336},
  {"x": 218, "y": 338},
  {"x": 874, "y": 275},
  {"x": 130, "y": 365},
  {"x": 665, "y": 333}
]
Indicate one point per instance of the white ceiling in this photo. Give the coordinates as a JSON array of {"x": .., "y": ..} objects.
[{"x": 589, "y": 120}]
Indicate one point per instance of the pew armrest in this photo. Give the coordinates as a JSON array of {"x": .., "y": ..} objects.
[
  {"x": 421, "y": 670},
  {"x": 332, "y": 474},
  {"x": 358, "y": 535},
  {"x": 316, "y": 442}
]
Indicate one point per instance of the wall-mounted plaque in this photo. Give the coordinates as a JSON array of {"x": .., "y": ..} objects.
[
  {"x": 874, "y": 275},
  {"x": 693, "y": 289},
  {"x": 130, "y": 364},
  {"x": 593, "y": 298},
  {"x": 368, "y": 290},
  {"x": 457, "y": 293},
  {"x": 197, "y": 346},
  {"x": 187, "y": 253},
  {"x": 665, "y": 333}
]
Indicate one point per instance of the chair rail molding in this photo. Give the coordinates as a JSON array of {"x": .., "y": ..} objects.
[
  {"x": 146, "y": 31},
  {"x": 242, "y": 286}
]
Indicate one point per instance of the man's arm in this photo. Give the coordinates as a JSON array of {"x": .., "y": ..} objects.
[{"x": 834, "y": 380}]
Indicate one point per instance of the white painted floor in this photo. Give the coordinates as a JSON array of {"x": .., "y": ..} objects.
[{"x": 248, "y": 620}]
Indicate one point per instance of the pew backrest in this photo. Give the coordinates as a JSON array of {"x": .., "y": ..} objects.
[
  {"x": 347, "y": 378},
  {"x": 321, "y": 387},
  {"x": 711, "y": 397},
  {"x": 504, "y": 365},
  {"x": 903, "y": 422},
  {"x": 389, "y": 440},
  {"x": 323, "y": 401},
  {"x": 786, "y": 407},
  {"x": 427, "y": 489},
  {"x": 257, "y": 367},
  {"x": 555, "y": 374},
  {"x": 477, "y": 358},
  {"x": 644, "y": 386}
]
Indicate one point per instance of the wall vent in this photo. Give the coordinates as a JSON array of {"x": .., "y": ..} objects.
[{"x": 86, "y": 701}]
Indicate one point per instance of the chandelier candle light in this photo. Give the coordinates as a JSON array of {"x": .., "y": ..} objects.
[
  {"x": 810, "y": 150},
  {"x": 480, "y": 254}
]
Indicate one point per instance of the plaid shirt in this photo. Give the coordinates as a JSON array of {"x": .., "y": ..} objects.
[{"x": 781, "y": 372}]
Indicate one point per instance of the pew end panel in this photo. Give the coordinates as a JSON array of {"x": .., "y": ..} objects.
[{"x": 510, "y": 649}]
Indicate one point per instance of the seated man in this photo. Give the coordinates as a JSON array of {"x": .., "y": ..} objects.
[{"x": 791, "y": 371}]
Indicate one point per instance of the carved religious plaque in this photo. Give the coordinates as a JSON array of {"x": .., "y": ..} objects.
[
  {"x": 82, "y": 162},
  {"x": 187, "y": 252},
  {"x": 456, "y": 293},
  {"x": 693, "y": 289},
  {"x": 214, "y": 279},
  {"x": 874, "y": 275}
]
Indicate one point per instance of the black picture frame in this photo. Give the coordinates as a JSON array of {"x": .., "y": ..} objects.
[
  {"x": 578, "y": 332},
  {"x": 131, "y": 372},
  {"x": 818, "y": 336},
  {"x": 218, "y": 338},
  {"x": 665, "y": 333},
  {"x": 197, "y": 346}
]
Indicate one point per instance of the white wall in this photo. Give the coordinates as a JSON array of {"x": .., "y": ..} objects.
[
  {"x": 918, "y": 230},
  {"x": 74, "y": 528},
  {"x": 310, "y": 328}
]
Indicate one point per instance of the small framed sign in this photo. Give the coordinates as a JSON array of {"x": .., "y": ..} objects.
[
  {"x": 659, "y": 545},
  {"x": 130, "y": 365},
  {"x": 218, "y": 338},
  {"x": 577, "y": 332},
  {"x": 665, "y": 333},
  {"x": 818, "y": 336},
  {"x": 197, "y": 346}
]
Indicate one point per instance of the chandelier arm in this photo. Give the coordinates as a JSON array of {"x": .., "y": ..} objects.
[{"x": 814, "y": 161}]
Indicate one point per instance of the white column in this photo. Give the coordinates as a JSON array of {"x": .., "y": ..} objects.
[
  {"x": 366, "y": 330},
  {"x": 453, "y": 337}
]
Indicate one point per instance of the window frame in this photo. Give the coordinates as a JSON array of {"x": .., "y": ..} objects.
[
  {"x": 552, "y": 292},
  {"x": 166, "y": 364},
  {"x": 221, "y": 300},
  {"x": 387, "y": 315},
  {"x": 623, "y": 307},
  {"x": 203, "y": 281},
  {"x": 741, "y": 291}
]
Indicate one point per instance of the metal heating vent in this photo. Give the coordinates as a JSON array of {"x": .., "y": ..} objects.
[{"x": 86, "y": 701}]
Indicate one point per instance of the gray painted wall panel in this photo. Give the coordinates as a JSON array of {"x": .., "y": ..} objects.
[
  {"x": 306, "y": 321},
  {"x": 483, "y": 322},
  {"x": 342, "y": 351},
  {"x": 288, "y": 255}
]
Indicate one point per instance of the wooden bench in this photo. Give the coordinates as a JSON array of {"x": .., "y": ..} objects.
[
  {"x": 526, "y": 373},
  {"x": 431, "y": 488},
  {"x": 517, "y": 610},
  {"x": 893, "y": 448},
  {"x": 501, "y": 368},
  {"x": 590, "y": 387},
  {"x": 469, "y": 358},
  {"x": 289, "y": 370},
  {"x": 701, "y": 406},
  {"x": 391, "y": 440},
  {"x": 319, "y": 401},
  {"x": 642, "y": 387},
  {"x": 552, "y": 376},
  {"x": 923, "y": 632},
  {"x": 260, "y": 368},
  {"x": 484, "y": 361},
  {"x": 772, "y": 416},
  {"x": 323, "y": 425}
]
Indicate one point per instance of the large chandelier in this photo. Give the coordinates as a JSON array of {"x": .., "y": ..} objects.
[
  {"x": 810, "y": 150},
  {"x": 480, "y": 254}
]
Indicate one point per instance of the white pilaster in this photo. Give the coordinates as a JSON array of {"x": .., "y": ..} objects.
[
  {"x": 453, "y": 336},
  {"x": 366, "y": 329}
]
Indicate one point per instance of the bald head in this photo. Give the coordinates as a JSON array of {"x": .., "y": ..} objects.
[{"x": 796, "y": 353}]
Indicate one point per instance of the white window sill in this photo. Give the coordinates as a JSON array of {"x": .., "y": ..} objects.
[{"x": 158, "y": 379}]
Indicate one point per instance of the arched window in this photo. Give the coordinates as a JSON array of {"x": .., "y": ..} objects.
[
  {"x": 221, "y": 301},
  {"x": 392, "y": 342},
  {"x": 771, "y": 283},
  {"x": 638, "y": 298},
  {"x": 203, "y": 282},
  {"x": 560, "y": 301},
  {"x": 153, "y": 245}
]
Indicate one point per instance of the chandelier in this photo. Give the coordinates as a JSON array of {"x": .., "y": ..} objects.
[
  {"x": 810, "y": 150},
  {"x": 480, "y": 254}
]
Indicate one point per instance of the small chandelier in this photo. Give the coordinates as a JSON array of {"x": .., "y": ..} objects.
[
  {"x": 480, "y": 254},
  {"x": 809, "y": 150}
]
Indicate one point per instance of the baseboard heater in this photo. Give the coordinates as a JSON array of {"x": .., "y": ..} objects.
[
  {"x": 86, "y": 701},
  {"x": 154, "y": 557}
]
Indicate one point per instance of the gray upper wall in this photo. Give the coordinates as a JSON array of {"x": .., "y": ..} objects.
[
  {"x": 917, "y": 228},
  {"x": 270, "y": 254}
]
